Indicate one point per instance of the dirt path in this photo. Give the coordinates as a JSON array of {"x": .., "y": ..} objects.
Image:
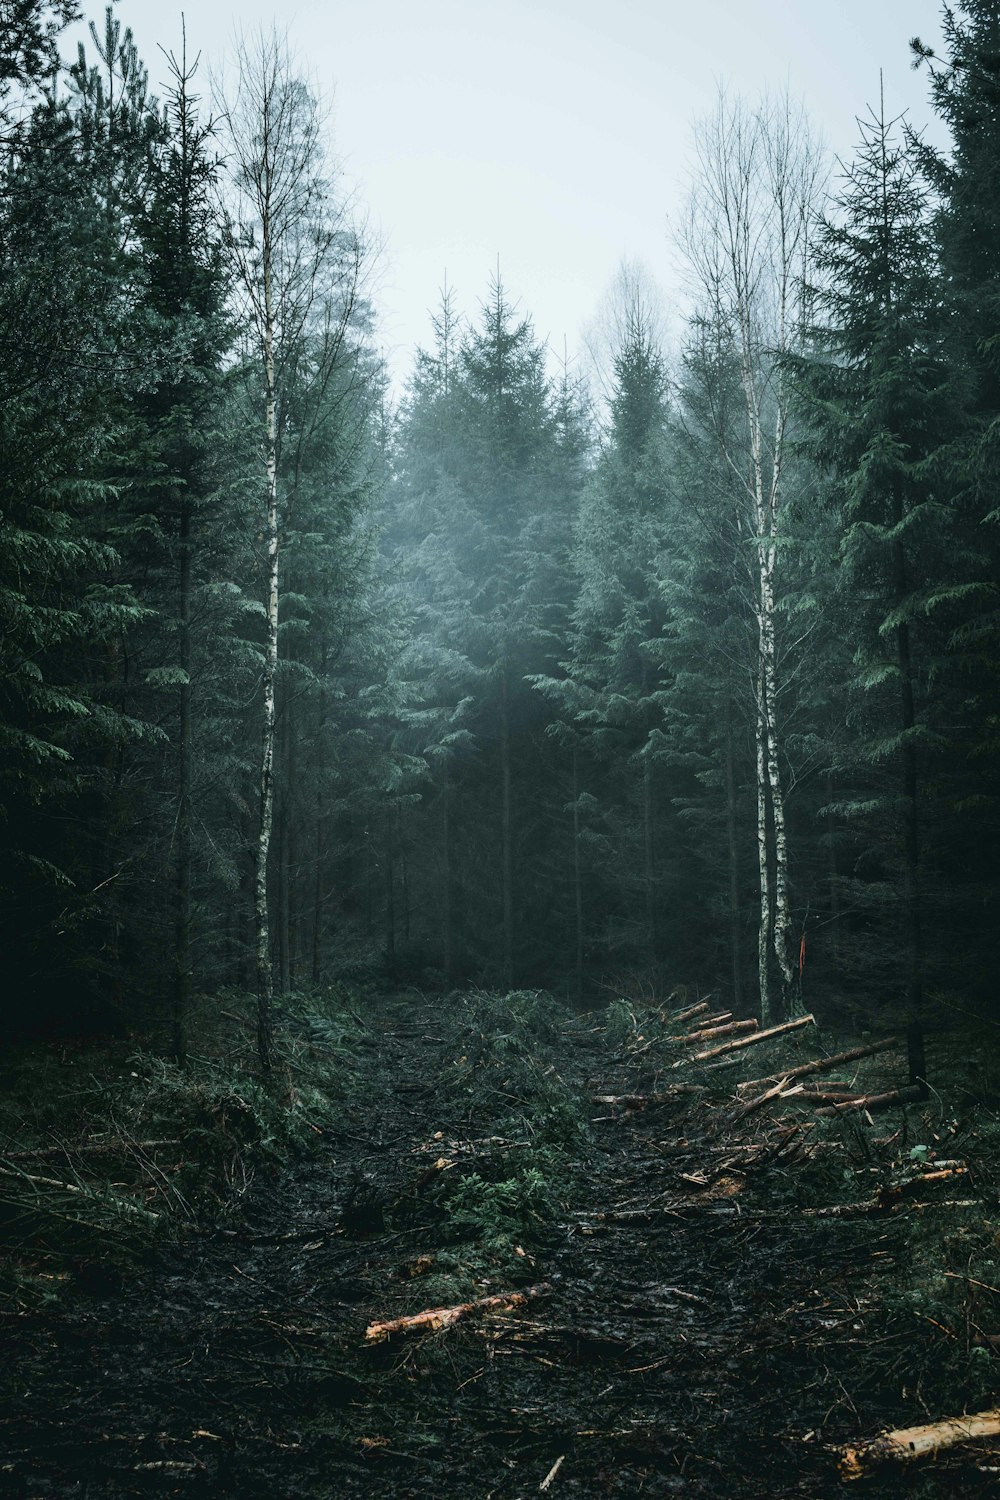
[{"x": 702, "y": 1350}]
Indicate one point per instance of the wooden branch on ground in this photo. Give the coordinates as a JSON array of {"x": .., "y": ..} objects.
[
  {"x": 98, "y": 1194},
  {"x": 906, "y": 1444},
  {"x": 547, "y": 1481},
  {"x": 715, "y": 1019},
  {"x": 91, "y": 1148},
  {"x": 823, "y": 1096},
  {"x": 907, "y": 1095},
  {"x": 822, "y": 1064},
  {"x": 644, "y": 1101},
  {"x": 757, "y": 1036},
  {"x": 730, "y": 1028},
  {"x": 444, "y": 1317},
  {"x": 748, "y": 1109}
]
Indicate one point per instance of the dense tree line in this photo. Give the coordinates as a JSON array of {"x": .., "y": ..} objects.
[{"x": 688, "y": 673}]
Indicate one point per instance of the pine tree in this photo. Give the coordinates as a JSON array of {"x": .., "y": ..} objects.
[{"x": 877, "y": 395}]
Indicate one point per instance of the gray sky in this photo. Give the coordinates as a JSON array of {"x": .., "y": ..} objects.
[{"x": 554, "y": 133}]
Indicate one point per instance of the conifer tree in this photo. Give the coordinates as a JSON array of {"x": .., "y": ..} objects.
[{"x": 877, "y": 396}]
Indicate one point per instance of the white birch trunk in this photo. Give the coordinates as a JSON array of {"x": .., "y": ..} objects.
[
  {"x": 261, "y": 916},
  {"x": 763, "y": 857}
]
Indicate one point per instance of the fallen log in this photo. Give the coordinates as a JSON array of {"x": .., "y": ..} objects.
[
  {"x": 691, "y": 1010},
  {"x": 822, "y": 1064},
  {"x": 907, "y": 1095},
  {"x": 715, "y": 1019},
  {"x": 730, "y": 1028},
  {"x": 435, "y": 1318},
  {"x": 906, "y": 1444},
  {"x": 757, "y": 1036},
  {"x": 823, "y": 1096}
]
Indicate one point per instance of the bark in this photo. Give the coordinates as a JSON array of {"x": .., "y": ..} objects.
[
  {"x": 874, "y": 1101},
  {"x": 689, "y": 1011},
  {"x": 758, "y": 1036},
  {"x": 265, "y": 1041},
  {"x": 823, "y": 1064},
  {"x": 732, "y": 847},
  {"x": 284, "y": 808},
  {"x": 436, "y": 1318},
  {"x": 907, "y": 1444},
  {"x": 763, "y": 858},
  {"x": 320, "y": 848},
  {"x": 730, "y": 1028}
]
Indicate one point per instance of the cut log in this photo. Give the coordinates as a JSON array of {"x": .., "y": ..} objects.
[
  {"x": 692, "y": 1010},
  {"x": 906, "y": 1444},
  {"x": 444, "y": 1317},
  {"x": 757, "y": 1036},
  {"x": 822, "y": 1064},
  {"x": 908, "y": 1095},
  {"x": 731, "y": 1028}
]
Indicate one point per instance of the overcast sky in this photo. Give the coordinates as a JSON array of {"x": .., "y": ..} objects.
[{"x": 553, "y": 133}]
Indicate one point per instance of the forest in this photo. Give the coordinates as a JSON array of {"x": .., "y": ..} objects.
[{"x": 451, "y": 833}]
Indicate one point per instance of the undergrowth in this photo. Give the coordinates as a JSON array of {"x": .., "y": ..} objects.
[{"x": 106, "y": 1152}]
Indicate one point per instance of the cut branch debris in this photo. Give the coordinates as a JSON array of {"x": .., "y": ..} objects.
[
  {"x": 444, "y": 1317},
  {"x": 906, "y": 1444}
]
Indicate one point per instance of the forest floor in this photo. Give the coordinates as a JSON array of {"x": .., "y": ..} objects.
[{"x": 715, "y": 1299}]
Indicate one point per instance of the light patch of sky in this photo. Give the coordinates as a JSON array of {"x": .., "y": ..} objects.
[{"x": 554, "y": 134}]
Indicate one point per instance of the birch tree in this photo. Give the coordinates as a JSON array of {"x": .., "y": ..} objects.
[
  {"x": 298, "y": 264},
  {"x": 757, "y": 180}
]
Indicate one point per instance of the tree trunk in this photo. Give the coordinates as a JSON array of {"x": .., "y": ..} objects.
[
  {"x": 265, "y": 1040},
  {"x": 389, "y": 877},
  {"x": 735, "y": 929},
  {"x": 577, "y": 878},
  {"x": 320, "y": 847},
  {"x": 182, "y": 954},
  {"x": 649, "y": 863},
  {"x": 763, "y": 859},
  {"x": 913, "y": 916},
  {"x": 446, "y": 915},
  {"x": 781, "y": 936},
  {"x": 283, "y": 800},
  {"x": 506, "y": 835},
  {"x": 404, "y": 871},
  {"x": 834, "y": 879}
]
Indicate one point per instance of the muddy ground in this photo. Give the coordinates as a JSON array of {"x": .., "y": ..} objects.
[{"x": 693, "y": 1332}]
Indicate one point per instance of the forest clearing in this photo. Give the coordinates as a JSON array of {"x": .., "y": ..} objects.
[
  {"x": 517, "y": 1249},
  {"x": 500, "y": 824}
]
